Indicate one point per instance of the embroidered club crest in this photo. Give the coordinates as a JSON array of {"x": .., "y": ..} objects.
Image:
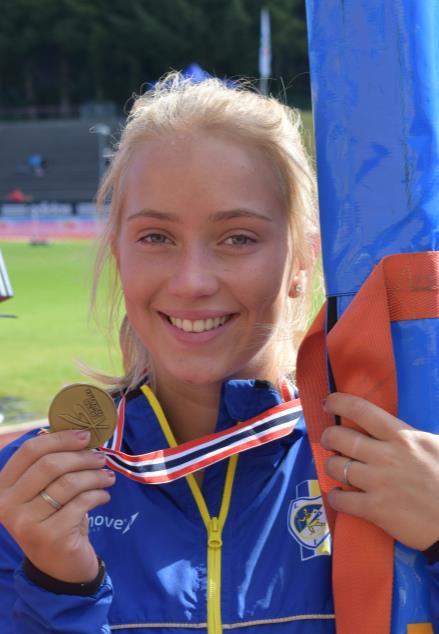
[{"x": 307, "y": 521}]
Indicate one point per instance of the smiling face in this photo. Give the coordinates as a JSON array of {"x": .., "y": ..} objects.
[{"x": 204, "y": 258}]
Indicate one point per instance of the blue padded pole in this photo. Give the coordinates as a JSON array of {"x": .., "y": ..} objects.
[{"x": 375, "y": 91}]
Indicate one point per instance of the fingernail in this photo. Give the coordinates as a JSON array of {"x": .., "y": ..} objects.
[
  {"x": 324, "y": 405},
  {"x": 82, "y": 435},
  {"x": 101, "y": 457},
  {"x": 110, "y": 474}
]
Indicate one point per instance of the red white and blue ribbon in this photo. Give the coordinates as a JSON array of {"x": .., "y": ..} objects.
[{"x": 172, "y": 463}]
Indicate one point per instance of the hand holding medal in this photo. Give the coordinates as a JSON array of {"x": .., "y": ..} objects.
[
  {"x": 82, "y": 407},
  {"x": 53, "y": 480}
]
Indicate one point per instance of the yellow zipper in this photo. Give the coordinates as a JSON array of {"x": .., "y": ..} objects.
[
  {"x": 214, "y": 525},
  {"x": 214, "y": 543}
]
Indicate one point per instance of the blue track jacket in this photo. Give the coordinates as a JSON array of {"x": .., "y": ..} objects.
[{"x": 272, "y": 572}]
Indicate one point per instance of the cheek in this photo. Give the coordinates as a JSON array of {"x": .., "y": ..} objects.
[
  {"x": 268, "y": 285},
  {"x": 135, "y": 276},
  {"x": 135, "y": 288}
]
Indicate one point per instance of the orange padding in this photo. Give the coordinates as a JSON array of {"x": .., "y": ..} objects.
[{"x": 402, "y": 286}]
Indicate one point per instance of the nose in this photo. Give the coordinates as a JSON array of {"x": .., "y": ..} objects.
[{"x": 195, "y": 274}]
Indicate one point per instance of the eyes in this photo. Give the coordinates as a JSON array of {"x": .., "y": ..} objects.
[
  {"x": 239, "y": 240},
  {"x": 234, "y": 240},
  {"x": 155, "y": 238}
]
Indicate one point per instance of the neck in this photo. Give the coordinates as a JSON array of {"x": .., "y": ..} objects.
[{"x": 191, "y": 410}]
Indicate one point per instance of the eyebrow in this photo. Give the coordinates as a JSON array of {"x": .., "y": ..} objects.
[
  {"x": 238, "y": 213},
  {"x": 215, "y": 217},
  {"x": 151, "y": 213}
]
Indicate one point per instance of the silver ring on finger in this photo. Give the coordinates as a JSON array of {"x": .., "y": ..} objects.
[
  {"x": 347, "y": 464},
  {"x": 50, "y": 500}
]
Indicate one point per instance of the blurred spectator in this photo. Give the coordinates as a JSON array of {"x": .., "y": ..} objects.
[
  {"x": 37, "y": 164},
  {"x": 17, "y": 196}
]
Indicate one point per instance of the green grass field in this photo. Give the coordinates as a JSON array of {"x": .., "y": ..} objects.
[{"x": 40, "y": 347}]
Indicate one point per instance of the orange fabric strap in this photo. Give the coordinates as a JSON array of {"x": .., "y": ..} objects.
[{"x": 359, "y": 346}]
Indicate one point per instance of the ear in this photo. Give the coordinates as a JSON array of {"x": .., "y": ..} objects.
[{"x": 299, "y": 284}]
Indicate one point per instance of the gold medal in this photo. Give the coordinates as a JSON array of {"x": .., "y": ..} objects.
[{"x": 82, "y": 406}]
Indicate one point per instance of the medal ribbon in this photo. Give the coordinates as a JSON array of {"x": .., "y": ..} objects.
[{"x": 172, "y": 463}]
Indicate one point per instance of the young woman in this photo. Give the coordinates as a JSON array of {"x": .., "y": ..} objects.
[{"x": 212, "y": 231}]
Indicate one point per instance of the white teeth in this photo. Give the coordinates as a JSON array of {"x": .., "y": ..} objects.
[
  {"x": 199, "y": 325},
  {"x": 187, "y": 325}
]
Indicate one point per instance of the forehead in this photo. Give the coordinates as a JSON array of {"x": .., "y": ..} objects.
[{"x": 212, "y": 171}]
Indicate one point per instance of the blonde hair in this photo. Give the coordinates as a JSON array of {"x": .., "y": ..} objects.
[{"x": 174, "y": 105}]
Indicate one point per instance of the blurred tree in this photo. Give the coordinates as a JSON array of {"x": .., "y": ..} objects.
[
  {"x": 72, "y": 27},
  {"x": 232, "y": 43},
  {"x": 147, "y": 39},
  {"x": 20, "y": 39},
  {"x": 289, "y": 48},
  {"x": 64, "y": 52}
]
